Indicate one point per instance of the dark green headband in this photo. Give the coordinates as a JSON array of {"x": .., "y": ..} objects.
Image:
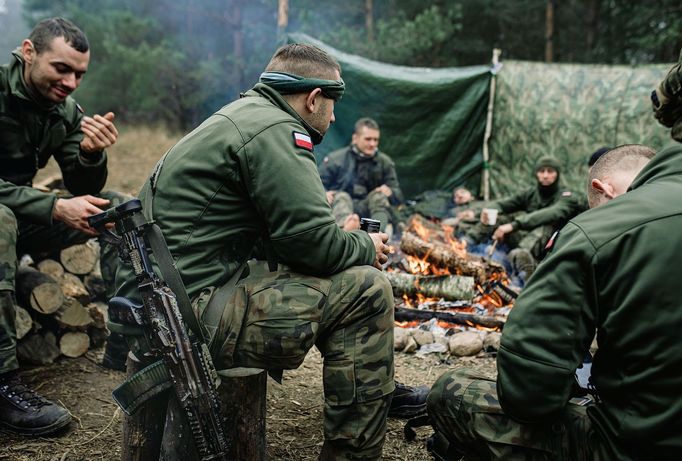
[{"x": 285, "y": 83}]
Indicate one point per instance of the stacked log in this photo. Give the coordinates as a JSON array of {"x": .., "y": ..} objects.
[{"x": 61, "y": 307}]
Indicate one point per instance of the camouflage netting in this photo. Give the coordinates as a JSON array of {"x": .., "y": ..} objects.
[{"x": 568, "y": 111}]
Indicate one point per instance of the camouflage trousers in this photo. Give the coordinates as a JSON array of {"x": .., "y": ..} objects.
[
  {"x": 18, "y": 238},
  {"x": 463, "y": 407},
  {"x": 533, "y": 240},
  {"x": 273, "y": 318},
  {"x": 375, "y": 206}
]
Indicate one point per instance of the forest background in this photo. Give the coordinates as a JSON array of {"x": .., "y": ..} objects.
[{"x": 177, "y": 61}]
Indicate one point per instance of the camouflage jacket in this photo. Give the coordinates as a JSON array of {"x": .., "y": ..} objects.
[
  {"x": 345, "y": 170},
  {"x": 245, "y": 175},
  {"x": 613, "y": 270},
  {"x": 30, "y": 133}
]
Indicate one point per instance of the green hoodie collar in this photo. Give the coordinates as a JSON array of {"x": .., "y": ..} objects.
[
  {"x": 20, "y": 89},
  {"x": 277, "y": 99},
  {"x": 667, "y": 162}
]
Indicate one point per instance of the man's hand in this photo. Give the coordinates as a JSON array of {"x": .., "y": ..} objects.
[
  {"x": 502, "y": 230},
  {"x": 74, "y": 212},
  {"x": 384, "y": 189},
  {"x": 352, "y": 222},
  {"x": 330, "y": 196},
  {"x": 466, "y": 215},
  {"x": 99, "y": 132},
  {"x": 379, "y": 239}
]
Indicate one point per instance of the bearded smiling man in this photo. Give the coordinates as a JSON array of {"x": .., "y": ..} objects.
[{"x": 39, "y": 120}]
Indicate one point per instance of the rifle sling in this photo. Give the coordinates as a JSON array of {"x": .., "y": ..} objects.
[{"x": 167, "y": 266}]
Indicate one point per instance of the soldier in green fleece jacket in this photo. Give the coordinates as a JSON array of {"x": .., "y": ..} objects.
[
  {"x": 39, "y": 120},
  {"x": 612, "y": 270},
  {"x": 246, "y": 179}
]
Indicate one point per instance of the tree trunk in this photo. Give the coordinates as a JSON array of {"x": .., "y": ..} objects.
[
  {"x": 549, "y": 32},
  {"x": 243, "y": 394},
  {"x": 282, "y": 19},
  {"x": 403, "y": 314},
  {"x": 38, "y": 291},
  {"x": 51, "y": 267},
  {"x": 73, "y": 315},
  {"x": 369, "y": 20},
  {"x": 73, "y": 287},
  {"x": 448, "y": 287},
  {"x": 74, "y": 344},
  {"x": 23, "y": 320},
  {"x": 80, "y": 259}
]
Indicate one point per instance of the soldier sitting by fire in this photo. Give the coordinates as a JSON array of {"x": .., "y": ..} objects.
[{"x": 528, "y": 218}]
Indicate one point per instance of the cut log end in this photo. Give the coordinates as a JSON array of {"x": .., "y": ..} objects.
[{"x": 74, "y": 344}]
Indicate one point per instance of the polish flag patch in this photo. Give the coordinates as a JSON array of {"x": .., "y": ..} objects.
[{"x": 303, "y": 140}]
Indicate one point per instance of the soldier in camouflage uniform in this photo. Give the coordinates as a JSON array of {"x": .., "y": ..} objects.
[
  {"x": 667, "y": 101},
  {"x": 529, "y": 217},
  {"x": 38, "y": 119},
  {"x": 609, "y": 271},
  {"x": 360, "y": 179},
  {"x": 245, "y": 179}
]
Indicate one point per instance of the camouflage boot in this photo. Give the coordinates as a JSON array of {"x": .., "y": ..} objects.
[{"x": 24, "y": 410}]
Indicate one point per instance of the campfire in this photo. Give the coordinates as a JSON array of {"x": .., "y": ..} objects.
[{"x": 443, "y": 291}]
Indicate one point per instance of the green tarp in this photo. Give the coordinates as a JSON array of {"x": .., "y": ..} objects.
[
  {"x": 432, "y": 120},
  {"x": 569, "y": 111}
]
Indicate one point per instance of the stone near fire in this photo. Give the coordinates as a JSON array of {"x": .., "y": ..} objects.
[
  {"x": 466, "y": 343},
  {"x": 422, "y": 337},
  {"x": 400, "y": 336},
  {"x": 492, "y": 341},
  {"x": 411, "y": 346}
]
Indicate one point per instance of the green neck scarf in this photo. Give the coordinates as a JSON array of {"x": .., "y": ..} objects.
[{"x": 285, "y": 83}]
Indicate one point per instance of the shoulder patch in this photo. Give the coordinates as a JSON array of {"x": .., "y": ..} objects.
[
  {"x": 566, "y": 193},
  {"x": 552, "y": 240},
  {"x": 303, "y": 140},
  {"x": 80, "y": 109}
]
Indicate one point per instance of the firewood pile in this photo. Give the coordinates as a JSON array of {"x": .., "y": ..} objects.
[
  {"x": 447, "y": 300},
  {"x": 61, "y": 308}
]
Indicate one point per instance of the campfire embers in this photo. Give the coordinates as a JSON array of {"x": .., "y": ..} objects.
[{"x": 442, "y": 289}]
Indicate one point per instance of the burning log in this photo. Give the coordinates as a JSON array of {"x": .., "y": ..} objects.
[
  {"x": 443, "y": 256},
  {"x": 450, "y": 287},
  {"x": 424, "y": 228},
  {"x": 407, "y": 315}
]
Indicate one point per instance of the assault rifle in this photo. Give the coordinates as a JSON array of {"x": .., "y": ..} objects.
[{"x": 182, "y": 350}]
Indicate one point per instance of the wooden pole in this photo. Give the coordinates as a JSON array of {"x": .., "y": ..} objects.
[
  {"x": 282, "y": 20},
  {"x": 369, "y": 20},
  {"x": 485, "y": 179},
  {"x": 549, "y": 32}
]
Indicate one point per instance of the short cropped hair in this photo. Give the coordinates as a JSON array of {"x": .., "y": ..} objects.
[
  {"x": 366, "y": 122},
  {"x": 627, "y": 157},
  {"x": 49, "y": 29},
  {"x": 304, "y": 60}
]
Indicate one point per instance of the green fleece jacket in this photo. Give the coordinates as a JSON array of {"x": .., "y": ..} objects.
[
  {"x": 242, "y": 177},
  {"x": 30, "y": 133},
  {"x": 614, "y": 269}
]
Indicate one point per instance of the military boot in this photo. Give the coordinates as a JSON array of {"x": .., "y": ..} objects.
[
  {"x": 522, "y": 262},
  {"x": 115, "y": 352},
  {"x": 24, "y": 410},
  {"x": 408, "y": 401}
]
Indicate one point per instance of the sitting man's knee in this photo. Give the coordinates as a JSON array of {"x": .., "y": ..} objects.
[{"x": 8, "y": 222}]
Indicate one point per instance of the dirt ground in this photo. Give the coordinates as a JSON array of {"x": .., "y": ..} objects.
[{"x": 294, "y": 409}]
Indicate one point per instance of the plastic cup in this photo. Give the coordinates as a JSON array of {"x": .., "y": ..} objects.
[{"x": 492, "y": 215}]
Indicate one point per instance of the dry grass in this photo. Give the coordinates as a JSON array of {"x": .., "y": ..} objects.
[{"x": 131, "y": 159}]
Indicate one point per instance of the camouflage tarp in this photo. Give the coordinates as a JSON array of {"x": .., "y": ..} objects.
[{"x": 569, "y": 111}]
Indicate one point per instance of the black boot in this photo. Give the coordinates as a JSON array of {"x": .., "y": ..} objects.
[
  {"x": 408, "y": 401},
  {"x": 24, "y": 410},
  {"x": 115, "y": 352}
]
